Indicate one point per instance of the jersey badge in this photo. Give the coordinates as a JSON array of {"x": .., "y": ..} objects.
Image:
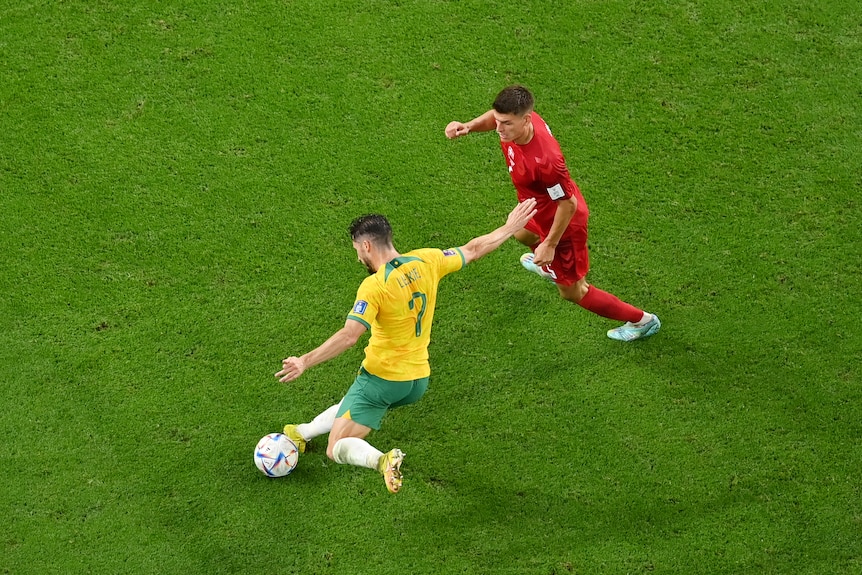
[
  {"x": 450, "y": 253},
  {"x": 556, "y": 192},
  {"x": 360, "y": 306}
]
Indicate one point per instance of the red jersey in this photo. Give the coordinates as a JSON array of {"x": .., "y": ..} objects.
[{"x": 539, "y": 171}]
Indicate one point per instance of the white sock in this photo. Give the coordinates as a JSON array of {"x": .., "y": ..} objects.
[
  {"x": 644, "y": 319},
  {"x": 355, "y": 451},
  {"x": 319, "y": 425}
]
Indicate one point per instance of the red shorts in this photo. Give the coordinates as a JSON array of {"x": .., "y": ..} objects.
[{"x": 571, "y": 258}]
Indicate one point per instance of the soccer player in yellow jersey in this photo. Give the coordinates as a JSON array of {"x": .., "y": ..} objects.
[{"x": 396, "y": 302}]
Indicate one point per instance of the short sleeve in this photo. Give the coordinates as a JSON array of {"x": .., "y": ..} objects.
[
  {"x": 366, "y": 305},
  {"x": 452, "y": 261}
]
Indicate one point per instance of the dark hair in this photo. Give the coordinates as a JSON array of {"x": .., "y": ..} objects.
[
  {"x": 373, "y": 226},
  {"x": 514, "y": 100}
]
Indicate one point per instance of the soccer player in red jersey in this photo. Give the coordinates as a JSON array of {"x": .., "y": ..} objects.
[{"x": 557, "y": 235}]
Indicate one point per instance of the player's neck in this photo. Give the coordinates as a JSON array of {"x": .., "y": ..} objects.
[{"x": 384, "y": 258}]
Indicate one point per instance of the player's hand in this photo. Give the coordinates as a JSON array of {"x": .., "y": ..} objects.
[
  {"x": 291, "y": 368},
  {"x": 456, "y": 129},
  {"x": 544, "y": 255},
  {"x": 521, "y": 214}
]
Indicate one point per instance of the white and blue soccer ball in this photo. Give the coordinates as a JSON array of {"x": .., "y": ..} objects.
[{"x": 276, "y": 455}]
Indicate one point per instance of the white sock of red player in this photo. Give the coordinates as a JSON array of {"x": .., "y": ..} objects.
[{"x": 646, "y": 318}]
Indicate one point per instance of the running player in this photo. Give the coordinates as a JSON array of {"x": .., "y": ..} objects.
[
  {"x": 396, "y": 302},
  {"x": 557, "y": 236}
]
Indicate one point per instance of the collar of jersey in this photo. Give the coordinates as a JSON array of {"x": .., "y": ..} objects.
[{"x": 397, "y": 263}]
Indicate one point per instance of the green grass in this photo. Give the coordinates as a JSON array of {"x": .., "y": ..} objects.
[{"x": 176, "y": 180}]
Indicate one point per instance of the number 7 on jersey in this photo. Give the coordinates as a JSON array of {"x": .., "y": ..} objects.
[{"x": 423, "y": 300}]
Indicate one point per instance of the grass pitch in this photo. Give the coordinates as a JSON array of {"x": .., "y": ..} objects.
[{"x": 176, "y": 180}]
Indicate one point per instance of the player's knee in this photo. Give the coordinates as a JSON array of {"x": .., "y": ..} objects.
[
  {"x": 573, "y": 297},
  {"x": 330, "y": 450},
  {"x": 526, "y": 237},
  {"x": 574, "y": 293}
]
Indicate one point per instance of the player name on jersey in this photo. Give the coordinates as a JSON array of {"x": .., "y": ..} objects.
[{"x": 409, "y": 277}]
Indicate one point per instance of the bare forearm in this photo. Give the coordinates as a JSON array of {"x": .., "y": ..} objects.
[
  {"x": 518, "y": 217},
  {"x": 483, "y": 245},
  {"x": 337, "y": 344},
  {"x": 483, "y": 123},
  {"x": 565, "y": 211}
]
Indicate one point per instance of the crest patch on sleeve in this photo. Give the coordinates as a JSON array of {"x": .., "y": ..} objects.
[
  {"x": 360, "y": 306},
  {"x": 556, "y": 192}
]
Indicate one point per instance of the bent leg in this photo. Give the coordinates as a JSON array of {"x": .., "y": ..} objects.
[
  {"x": 344, "y": 428},
  {"x": 601, "y": 302},
  {"x": 346, "y": 445},
  {"x": 527, "y": 238},
  {"x": 575, "y": 292},
  {"x": 367, "y": 401}
]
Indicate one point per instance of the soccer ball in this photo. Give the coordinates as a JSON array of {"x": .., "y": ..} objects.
[{"x": 276, "y": 455}]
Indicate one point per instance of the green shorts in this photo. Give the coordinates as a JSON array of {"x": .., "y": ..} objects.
[{"x": 369, "y": 397}]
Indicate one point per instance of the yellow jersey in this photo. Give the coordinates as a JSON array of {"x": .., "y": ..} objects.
[{"x": 397, "y": 304}]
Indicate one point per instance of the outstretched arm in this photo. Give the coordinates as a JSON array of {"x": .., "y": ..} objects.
[
  {"x": 339, "y": 342},
  {"x": 483, "y": 245},
  {"x": 483, "y": 123}
]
